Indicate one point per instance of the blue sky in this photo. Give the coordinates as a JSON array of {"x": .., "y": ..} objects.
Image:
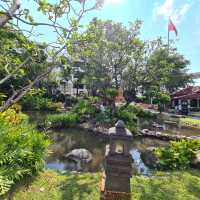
[{"x": 154, "y": 14}]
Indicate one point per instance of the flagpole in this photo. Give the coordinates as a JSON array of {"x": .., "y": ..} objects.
[{"x": 168, "y": 36}]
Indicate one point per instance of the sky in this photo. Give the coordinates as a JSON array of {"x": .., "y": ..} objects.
[{"x": 154, "y": 14}]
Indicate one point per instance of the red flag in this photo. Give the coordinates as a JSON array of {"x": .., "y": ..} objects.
[{"x": 172, "y": 27}]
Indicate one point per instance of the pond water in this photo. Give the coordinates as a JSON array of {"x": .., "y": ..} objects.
[
  {"x": 169, "y": 126},
  {"x": 66, "y": 140}
]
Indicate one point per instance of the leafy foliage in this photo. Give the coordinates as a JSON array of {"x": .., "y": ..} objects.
[
  {"x": 129, "y": 115},
  {"x": 15, "y": 48},
  {"x": 178, "y": 155},
  {"x": 161, "y": 99},
  {"x": 22, "y": 149},
  {"x": 35, "y": 100},
  {"x": 85, "y": 106},
  {"x": 64, "y": 120},
  {"x": 130, "y": 118}
]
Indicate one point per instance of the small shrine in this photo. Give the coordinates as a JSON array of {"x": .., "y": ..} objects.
[
  {"x": 115, "y": 183},
  {"x": 120, "y": 97}
]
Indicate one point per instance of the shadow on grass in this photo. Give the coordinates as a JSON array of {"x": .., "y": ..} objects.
[
  {"x": 25, "y": 182},
  {"x": 171, "y": 186},
  {"x": 80, "y": 187},
  {"x": 193, "y": 184}
]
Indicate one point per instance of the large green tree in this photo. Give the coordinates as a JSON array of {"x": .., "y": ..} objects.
[
  {"x": 167, "y": 70},
  {"x": 113, "y": 55},
  {"x": 62, "y": 17},
  {"x": 105, "y": 49}
]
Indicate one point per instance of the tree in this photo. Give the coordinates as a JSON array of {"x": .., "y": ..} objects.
[
  {"x": 65, "y": 31},
  {"x": 115, "y": 56},
  {"x": 179, "y": 76},
  {"x": 167, "y": 72},
  {"x": 20, "y": 61},
  {"x": 106, "y": 53},
  {"x": 162, "y": 99}
]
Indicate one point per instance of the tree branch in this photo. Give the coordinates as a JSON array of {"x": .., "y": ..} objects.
[
  {"x": 14, "y": 71},
  {"x": 10, "y": 13}
]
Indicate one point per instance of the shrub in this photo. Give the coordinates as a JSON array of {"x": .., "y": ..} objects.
[
  {"x": 84, "y": 107},
  {"x": 104, "y": 118},
  {"x": 178, "y": 155},
  {"x": 40, "y": 103},
  {"x": 35, "y": 100},
  {"x": 22, "y": 149},
  {"x": 64, "y": 120},
  {"x": 128, "y": 115}
]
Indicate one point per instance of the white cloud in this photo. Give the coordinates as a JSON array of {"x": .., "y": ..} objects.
[{"x": 168, "y": 9}]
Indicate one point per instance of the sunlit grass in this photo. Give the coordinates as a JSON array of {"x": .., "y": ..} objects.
[
  {"x": 51, "y": 185},
  {"x": 189, "y": 122}
]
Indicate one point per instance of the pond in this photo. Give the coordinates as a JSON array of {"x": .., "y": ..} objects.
[
  {"x": 169, "y": 125},
  {"x": 66, "y": 140}
]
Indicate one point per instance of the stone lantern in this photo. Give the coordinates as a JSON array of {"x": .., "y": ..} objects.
[{"x": 118, "y": 164}]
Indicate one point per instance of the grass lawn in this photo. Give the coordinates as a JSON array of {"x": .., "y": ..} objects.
[
  {"x": 189, "y": 122},
  {"x": 51, "y": 185}
]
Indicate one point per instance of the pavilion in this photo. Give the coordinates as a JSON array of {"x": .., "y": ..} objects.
[{"x": 191, "y": 95}]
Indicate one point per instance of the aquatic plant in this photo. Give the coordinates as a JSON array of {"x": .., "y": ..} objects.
[{"x": 63, "y": 120}]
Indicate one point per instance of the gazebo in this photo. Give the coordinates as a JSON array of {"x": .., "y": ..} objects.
[{"x": 191, "y": 95}]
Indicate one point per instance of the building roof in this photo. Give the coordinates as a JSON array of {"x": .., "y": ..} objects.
[{"x": 191, "y": 92}]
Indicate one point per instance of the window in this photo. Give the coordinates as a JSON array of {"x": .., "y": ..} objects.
[{"x": 119, "y": 148}]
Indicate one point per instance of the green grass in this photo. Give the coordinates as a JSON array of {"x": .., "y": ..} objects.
[
  {"x": 51, "y": 185},
  {"x": 183, "y": 185},
  {"x": 189, "y": 122}
]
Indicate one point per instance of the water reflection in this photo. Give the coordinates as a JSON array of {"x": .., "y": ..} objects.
[
  {"x": 66, "y": 140},
  {"x": 169, "y": 126},
  {"x": 138, "y": 165},
  {"x": 63, "y": 141}
]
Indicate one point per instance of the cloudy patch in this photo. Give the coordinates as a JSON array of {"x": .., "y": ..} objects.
[{"x": 168, "y": 9}]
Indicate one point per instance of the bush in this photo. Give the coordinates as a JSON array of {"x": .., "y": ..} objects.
[
  {"x": 22, "y": 149},
  {"x": 35, "y": 101},
  {"x": 39, "y": 103},
  {"x": 178, "y": 155},
  {"x": 84, "y": 107},
  {"x": 105, "y": 119},
  {"x": 64, "y": 120},
  {"x": 128, "y": 115}
]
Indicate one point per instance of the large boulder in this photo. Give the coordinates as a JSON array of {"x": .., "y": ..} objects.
[
  {"x": 149, "y": 158},
  {"x": 79, "y": 155},
  {"x": 196, "y": 161},
  {"x": 78, "y": 159}
]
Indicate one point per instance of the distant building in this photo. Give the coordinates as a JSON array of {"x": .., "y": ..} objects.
[
  {"x": 189, "y": 96},
  {"x": 70, "y": 86}
]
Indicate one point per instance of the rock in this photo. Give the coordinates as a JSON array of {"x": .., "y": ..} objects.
[
  {"x": 196, "y": 161},
  {"x": 42, "y": 189},
  {"x": 149, "y": 158},
  {"x": 77, "y": 155}
]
